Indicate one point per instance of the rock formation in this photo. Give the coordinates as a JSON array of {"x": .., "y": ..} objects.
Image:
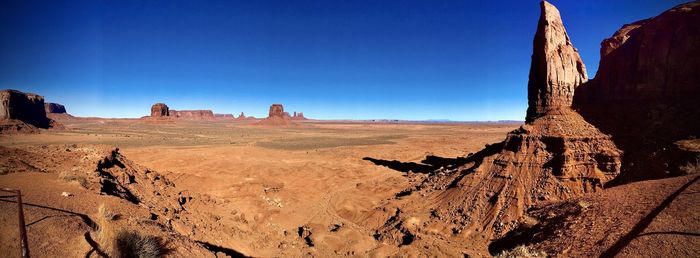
[
  {"x": 21, "y": 111},
  {"x": 646, "y": 92},
  {"x": 54, "y": 108},
  {"x": 276, "y": 110},
  {"x": 276, "y": 116},
  {"x": 160, "y": 110},
  {"x": 241, "y": 116},
  {"x": 556, "y": 69},
  {"x": 555, "y": 155},
  {"x": 192, "y": 114},
  {"x": 298, "y": 116}
]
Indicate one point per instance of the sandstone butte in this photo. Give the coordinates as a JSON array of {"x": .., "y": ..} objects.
[
  {"x": 277, "y": 117},
  {"x": 555, "y": 155},
  {"x": 23, "y": 112}
]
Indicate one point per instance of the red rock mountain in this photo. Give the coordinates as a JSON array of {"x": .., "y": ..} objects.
[
  {"x": 646, "y": 92},
  {"x": 556, "y": 155},
  {"x": 21, "y": 111}
]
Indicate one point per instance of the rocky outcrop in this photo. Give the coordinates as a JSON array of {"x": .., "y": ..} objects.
[
  {"x": 21, "y": 111},
  {"x": 192, "y": 114},
  {"x": 556, "y": 69},
  {"x": 556, "y": 155},
  {"x": 241, "y": 116},
  {"x": 276, "y": 110},
  {"x": 160, "y": 110},
  {"x": 298, "y": 116},
  {"x": 646, "y": 91},
  {"x": 276, "y": 116},
  {"x": 54, "y": 108}
]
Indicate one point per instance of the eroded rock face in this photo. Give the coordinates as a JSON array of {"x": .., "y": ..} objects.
[
  {"x": 556, "y": 155},
  {"x": 277, "y": 116},
  {"x": 276, "y": 110},
  {"x": 54, "y": 108},
  {"x": 241, "y": 116},
  {"x": 18, "y": 108},
  {"x": 160, "y": 110},
  {"x": 646, "y": 92},
  {"x": 556, "y": 69}
]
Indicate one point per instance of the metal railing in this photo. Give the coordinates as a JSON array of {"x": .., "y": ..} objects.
[{"x": 22, "y": 226}]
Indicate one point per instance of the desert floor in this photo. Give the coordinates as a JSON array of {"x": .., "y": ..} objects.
[{"x": 273, "y": 180}]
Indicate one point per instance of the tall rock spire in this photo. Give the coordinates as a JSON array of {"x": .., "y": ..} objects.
[{"x": 556, "y": 68}]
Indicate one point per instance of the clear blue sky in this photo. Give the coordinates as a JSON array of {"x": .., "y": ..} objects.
[{"x": 458, "y": 60}]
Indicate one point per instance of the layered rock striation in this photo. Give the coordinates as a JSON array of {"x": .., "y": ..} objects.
[{"x": 555, "y": 155}]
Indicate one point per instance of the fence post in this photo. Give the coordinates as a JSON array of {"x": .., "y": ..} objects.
[{"x": 22, "y": 227}]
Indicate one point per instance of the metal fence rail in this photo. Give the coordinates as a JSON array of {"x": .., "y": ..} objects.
[{"x": 22, "y": 227}]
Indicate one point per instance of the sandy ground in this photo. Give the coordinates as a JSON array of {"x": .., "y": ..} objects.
[{"x": 276, "y": 179}]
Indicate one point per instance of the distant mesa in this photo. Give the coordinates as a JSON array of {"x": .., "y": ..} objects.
[
  {"x": 23, "y": 112},
  {"x": 54, "y": 108},
  {"x": 162, "y": 111},
  {"x": 224, "y": 116},
  {"x": 57, "y": 112}
]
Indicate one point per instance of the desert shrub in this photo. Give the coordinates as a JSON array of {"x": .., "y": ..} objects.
[
  {"x": 691, "y": 167},
  {"x": 123, "y": 242},
  {"x": 132, "y": 244},
  {"x": 521, "y": 251}
]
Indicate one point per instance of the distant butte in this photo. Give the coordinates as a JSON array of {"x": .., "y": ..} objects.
[
  {"x": 277, "y": 117},
  {"x": 23, "y": 112}
]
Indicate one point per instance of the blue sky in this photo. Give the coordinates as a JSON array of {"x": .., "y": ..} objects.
[{"x": 458, "y": 60}]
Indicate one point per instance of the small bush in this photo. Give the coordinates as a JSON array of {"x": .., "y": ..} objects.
[
  {"x": 124, "y": 243},
  {"x": 521, "y": 251},
  {"x": 132, "y": 244},
  {"x": 691, "y": 167}
]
